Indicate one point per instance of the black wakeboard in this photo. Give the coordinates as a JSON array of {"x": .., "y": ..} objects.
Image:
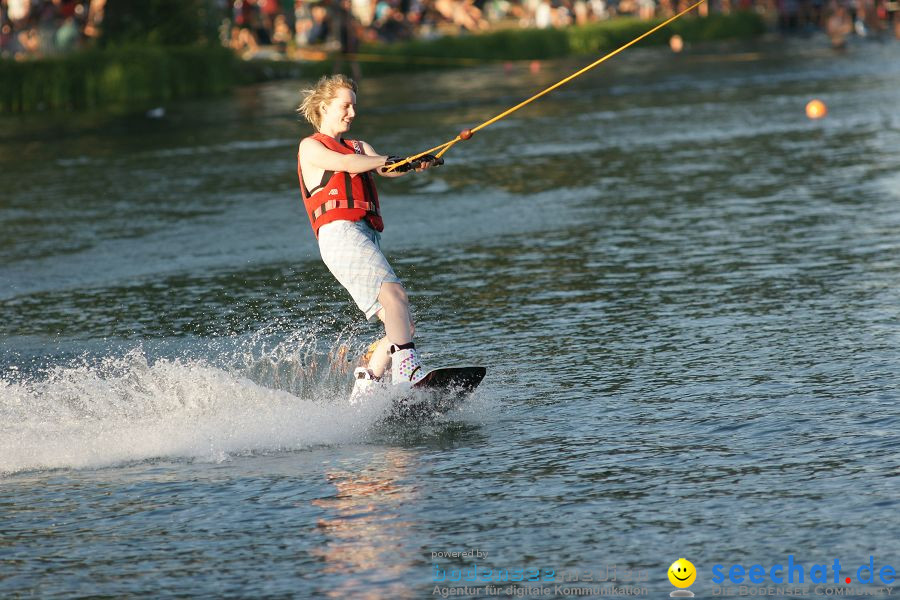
[{"x": 438, "y": 392}]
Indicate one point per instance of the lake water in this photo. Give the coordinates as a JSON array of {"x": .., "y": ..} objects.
[{"x": 687, "y": 295}]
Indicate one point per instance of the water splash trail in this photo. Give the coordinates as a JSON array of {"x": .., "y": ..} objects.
[{"x": 128, "y": 408}]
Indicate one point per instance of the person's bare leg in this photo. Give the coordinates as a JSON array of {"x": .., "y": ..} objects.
[
  {"x": 398, "y": 325},
  {"x": 397, "y": 320},
  {"x": 381, "y": 357}
]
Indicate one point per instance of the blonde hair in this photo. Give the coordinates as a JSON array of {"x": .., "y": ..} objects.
[{"x": 324, "y": 92}]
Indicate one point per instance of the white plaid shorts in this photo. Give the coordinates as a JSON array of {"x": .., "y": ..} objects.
[{"x": 352, "y": 252}]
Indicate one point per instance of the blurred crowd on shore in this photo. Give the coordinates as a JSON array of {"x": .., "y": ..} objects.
[
  {"x": 300, "y": 25},
  {"x": 309, "y": 28},
  {"x": 33, "y": 28}
]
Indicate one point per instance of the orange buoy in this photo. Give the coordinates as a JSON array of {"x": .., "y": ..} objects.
[
  {"x": 676, "y": 43},
  {"x": 816, "y": 109},
  {"x": 465, "y": 134},
  {"x": 535, "y": 66}
]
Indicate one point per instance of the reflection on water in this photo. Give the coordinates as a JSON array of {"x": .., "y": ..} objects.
[{"x": 366, "y": 534}]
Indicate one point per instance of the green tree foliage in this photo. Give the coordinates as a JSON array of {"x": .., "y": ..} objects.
[
  {"x": 161, "y": 22},
  {"x": 133, "y": 77}
]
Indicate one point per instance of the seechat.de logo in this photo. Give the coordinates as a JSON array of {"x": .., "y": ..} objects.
[{"x": 793, "y": 572}]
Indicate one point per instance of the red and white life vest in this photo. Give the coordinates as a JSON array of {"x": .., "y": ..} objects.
[{"x": 340, "y": 195}]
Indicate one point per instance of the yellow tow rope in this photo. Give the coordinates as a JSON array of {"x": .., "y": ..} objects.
[{"x": 468, "y": 133}]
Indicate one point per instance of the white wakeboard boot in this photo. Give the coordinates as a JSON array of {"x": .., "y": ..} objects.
[
  {"x": 405, "y": 364},
  {"x": 364, "y": 384}
]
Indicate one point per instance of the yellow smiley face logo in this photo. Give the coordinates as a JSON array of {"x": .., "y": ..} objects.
[{"x": 682, "y": 573}]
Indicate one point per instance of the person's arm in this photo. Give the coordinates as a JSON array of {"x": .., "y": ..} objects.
[
  {"x": 419, "y": 166},
  {"x": 316, "y": 155},
  {"x": 369, "y": 151}
]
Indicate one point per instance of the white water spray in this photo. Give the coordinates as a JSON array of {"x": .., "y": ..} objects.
[{"x": 127, "y": 408}]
